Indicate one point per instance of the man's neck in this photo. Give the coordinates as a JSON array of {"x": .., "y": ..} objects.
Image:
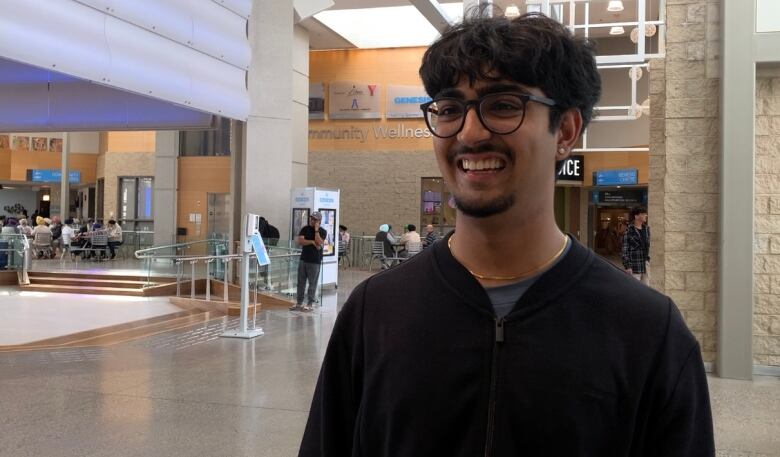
[
  {"x": 505, "y": 245},
  {"x": 638, "y": 224}
]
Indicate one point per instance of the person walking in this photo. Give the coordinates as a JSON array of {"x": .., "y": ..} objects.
[
  {"x": 635, "y": 251},
  {"x": 311, "y": 239}
]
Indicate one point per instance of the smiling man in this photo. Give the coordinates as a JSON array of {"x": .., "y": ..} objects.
[{"x": 508, "y": 337}]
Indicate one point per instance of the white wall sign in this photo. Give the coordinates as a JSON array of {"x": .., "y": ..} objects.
[
  {"x": 404, "y": 101},
  {"x": 352, "y": 100}
]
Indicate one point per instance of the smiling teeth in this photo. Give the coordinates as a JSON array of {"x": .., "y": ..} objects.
[{"x": 485, "y": 164}]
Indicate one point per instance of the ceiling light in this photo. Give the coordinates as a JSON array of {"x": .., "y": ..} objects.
[
  {"x": 512, "y": 11},
  {"x": 378, "y": 27},
  {"x": 617, "y": 30},
  {"x": 46, "y": 197},
  {"x": 615, "y": 5}
]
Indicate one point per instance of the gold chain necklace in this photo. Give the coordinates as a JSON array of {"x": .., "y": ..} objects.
[{"x": 521, "y": 275}]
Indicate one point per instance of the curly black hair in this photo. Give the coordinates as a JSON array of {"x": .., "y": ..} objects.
[{"x": 532, "y": 50}]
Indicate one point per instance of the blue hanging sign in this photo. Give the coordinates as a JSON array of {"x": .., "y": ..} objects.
[
  {"x": 74, "y": 177},
  {"x": 621, "y": 177}
]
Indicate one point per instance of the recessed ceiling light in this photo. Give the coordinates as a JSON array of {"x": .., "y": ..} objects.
[
  {"x": 378, "y": 27},
  {"x": 618, "y": 30},
  {"x": 615, "y": 5},
  {"x": 512, "y": 11}
]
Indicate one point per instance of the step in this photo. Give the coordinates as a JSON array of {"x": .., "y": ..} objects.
[
  {"x": 120, "y": 333},
  {"x": 87, "y": 282},
  {"x": 82, "y": 290},
  {"x": 75, "y": 274}
]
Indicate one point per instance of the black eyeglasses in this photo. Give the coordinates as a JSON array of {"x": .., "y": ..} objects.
[{"x": 500, "y": 113}]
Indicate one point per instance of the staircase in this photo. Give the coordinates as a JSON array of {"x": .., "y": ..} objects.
[{"x": 99, "y": 284}]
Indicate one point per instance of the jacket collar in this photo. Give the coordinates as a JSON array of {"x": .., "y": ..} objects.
[{"x": 549, "y": 286}]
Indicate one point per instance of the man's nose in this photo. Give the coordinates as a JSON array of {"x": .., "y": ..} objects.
[{"x": 473, "y": 131}]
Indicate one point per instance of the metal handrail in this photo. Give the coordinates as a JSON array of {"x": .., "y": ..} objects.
[
  {"x": 139, "y": 253},
  {"x": 207, "y": 259}
]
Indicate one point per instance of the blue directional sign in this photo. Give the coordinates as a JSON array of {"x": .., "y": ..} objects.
[
  {"x": 622, "y": 177},
  {"x": 74, "y": 177}
]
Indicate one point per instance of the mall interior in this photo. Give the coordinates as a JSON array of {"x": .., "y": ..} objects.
[{"x": 185, "y": 121}]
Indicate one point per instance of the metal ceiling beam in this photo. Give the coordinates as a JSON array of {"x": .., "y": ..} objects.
[{"x": 433, "y": 13}]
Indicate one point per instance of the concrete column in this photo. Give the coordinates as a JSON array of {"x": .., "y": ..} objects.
[
  {"x": 166, "y": 150},
  {"x": 64, "y": 207},
  {"x": 737, "y": 92},
  {"x": 267, "y": 156}
]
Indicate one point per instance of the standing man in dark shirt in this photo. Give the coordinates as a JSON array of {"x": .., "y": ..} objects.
[
  {"x": 311, "y": 239},
  {"x": 636, "y": 246}
]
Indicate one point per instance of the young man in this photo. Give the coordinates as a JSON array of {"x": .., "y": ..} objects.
[
  {"x": 636, "y": 246},
  {"x": 507, "y": 337},
  {"x": 114, "y": 237},
  {"x": 311, "y": 238}
]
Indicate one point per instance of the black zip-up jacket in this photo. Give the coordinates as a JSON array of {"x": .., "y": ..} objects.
[{"x": 589, "y": 363}]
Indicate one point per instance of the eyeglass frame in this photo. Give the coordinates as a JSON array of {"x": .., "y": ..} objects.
[{"x": 525, "y": 98}]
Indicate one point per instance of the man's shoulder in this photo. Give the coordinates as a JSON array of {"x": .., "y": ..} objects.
[{"x": 607, "y": 285}]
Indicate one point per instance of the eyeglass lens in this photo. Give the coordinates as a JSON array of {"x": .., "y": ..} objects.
[{"x": 500, "y": 113}]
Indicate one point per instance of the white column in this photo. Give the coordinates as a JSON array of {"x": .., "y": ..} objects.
[
  {"x": 735, "y": 294},
  {"x": 267, "y": 159},
  {"x": 64, "y": 184},
  {"x": 166, "y": 148}
]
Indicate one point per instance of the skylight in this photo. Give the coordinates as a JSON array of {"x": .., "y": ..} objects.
[{"x": 389, "y": 27}]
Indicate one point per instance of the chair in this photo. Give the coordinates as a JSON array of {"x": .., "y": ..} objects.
[
  {"x": 343, "y": 254},
  {"x": 99, "y": 242},
  {"x": 377, "y": 252},
  {"x": 42, "y": 244},
  {"x": 412, "y": 248}
]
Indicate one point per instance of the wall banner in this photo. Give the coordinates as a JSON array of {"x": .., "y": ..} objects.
[
  {"x": 405, "y": 101},
  {"x": 351, "y": 100}
]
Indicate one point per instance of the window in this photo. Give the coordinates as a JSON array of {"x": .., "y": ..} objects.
[
  {"x": 437, "y": 207},
  {"x": 136, "y": 206},
  {"x": 206, "y": 143}
]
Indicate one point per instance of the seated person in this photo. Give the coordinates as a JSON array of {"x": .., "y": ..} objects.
[
  {"x": 410, "y": 236},
  {"x": 385, "y": 237},
  {"x": 41, "y": 228},
  {"x": 67, "y": 235},
  {"x": 430, "y": 236},
  {"x": 24, "y": 228},
  {"x": 114, "y": 237}
]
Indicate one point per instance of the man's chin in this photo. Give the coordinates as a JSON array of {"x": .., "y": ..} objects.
[{"x": 484, "y": 209}]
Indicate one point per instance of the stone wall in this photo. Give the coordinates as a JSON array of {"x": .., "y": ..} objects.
[
  {"x": 766, "y": 270},
  {"x": 684, "y": 166},
  {"x": 112, "y": 165},
  {"x": 377, "y": 187}
]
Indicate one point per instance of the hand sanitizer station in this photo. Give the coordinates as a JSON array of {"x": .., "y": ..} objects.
[
  {"x": 306, "y": 200},
  {"x": 251, "y": 244}
]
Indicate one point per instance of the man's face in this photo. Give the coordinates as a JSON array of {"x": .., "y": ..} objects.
[
  {"x": 313, "y": 221},
  {"x": 515, "y": 167}
]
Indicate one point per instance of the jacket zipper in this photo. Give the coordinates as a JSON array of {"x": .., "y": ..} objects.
[{"x": 493, "y": 381}]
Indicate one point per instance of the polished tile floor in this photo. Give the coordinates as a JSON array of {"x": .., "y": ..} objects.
[
  {"x": 33, "y": 316},
  {"x": 192, "y": 393}
]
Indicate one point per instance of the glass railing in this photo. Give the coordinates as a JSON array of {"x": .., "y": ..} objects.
[
  {"x": 194, "y": 261},
  {"x": 12, "y": 252}
]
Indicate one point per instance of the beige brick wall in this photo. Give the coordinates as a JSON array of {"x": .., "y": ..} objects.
[
  {"x": 766, "y": 250},
  {"x": 377, "y": 187},
  {"x": 684, "y": 166},
  {"x": 112, "y": 165}
]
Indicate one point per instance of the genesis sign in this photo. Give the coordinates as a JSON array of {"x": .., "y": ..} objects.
[{"x": 405, "y": 101}]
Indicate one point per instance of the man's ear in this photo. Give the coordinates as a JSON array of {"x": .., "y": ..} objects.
[{"x": 569, "y": 129}]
